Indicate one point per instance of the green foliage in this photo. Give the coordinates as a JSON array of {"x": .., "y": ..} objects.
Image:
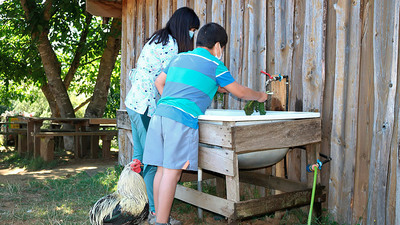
[
  {"x": 21, "y": 65},
  {"x": 254, "y": 106},
  {"x": 113, "y": 97},
  {"x": 35, "y": 102}
]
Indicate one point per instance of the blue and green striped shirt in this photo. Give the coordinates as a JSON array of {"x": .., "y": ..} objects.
[{"x": 192, "y": 80}]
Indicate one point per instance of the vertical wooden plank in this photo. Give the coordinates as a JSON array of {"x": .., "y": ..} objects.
[
  {"x": 351, "y": 111},
  {"x": 345, "y": 106},
  {"x": 313, "y": 73},
  {"x": 395, "y": 144},
  {"x": 246, "y": 45},
  {"x": 270, "y": 36},
  {"x": 29, "y": 137},
  {"x": 165, "y": 7},
  {"x": 151, "y": 17},
  {"x": 338, "y": 143},
  {"x": 385, "y": 43},
  {"x": 140, "y": 27},
  {"x": 232, "y": 182},
  {"x": 395, "y": 159},
  {"x": 236, "y": 47},
  {"x": 313, "y": 55},
  {"x": 22, "y": 150},
  {"x": 328, "y": 93},
  {"x": 283, "y": 31},
  {"x": 128, "y": 58},
  {"x": 218, "y": 11},
  {"x": 218, "y": 16},
  {"x": 36, "y": 140},
  {"x": 181, "y": 3},
  {"x": 365, "y": 115},
  {"x": 47, "y": 149},
  {"x": 295, "y": 168},
  {"x": 200, "y": 8},
  {"x": 124, "y": 78}
]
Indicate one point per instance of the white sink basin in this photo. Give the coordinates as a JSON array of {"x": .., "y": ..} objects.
[{"x": 261, "y": 158}]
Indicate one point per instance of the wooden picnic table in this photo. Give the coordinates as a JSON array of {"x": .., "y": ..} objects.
[{"x": 40, "y": 143}]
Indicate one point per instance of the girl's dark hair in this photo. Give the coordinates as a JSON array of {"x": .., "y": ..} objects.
[
  {"x": 210, "y": 34},
  {"x": 178, "y": 27}
]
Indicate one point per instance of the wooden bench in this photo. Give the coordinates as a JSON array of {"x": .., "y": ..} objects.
[
  {"x": 47, "y": 141},
  {"x": 20, "y": 136}
]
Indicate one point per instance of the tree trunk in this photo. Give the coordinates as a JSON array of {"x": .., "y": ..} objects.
[
  {"x": 52, "y": 68},
  {"x": 51, "y": 65},
  {"x": 98, "y": 102},
  {"x": 55, "y": 112}
]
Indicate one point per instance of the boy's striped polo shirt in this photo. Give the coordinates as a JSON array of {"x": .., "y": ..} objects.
[{"x": 192, "y": 80}]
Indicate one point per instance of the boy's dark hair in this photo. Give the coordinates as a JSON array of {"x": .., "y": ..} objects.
[
  {"x": 178, "y": 27},
  {"x": 210, "y": 34}
]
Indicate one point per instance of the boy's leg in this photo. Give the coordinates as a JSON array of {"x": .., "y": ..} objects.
[
  {"x": 166, "y": 193},
  {"x": 156, "y": 185}
]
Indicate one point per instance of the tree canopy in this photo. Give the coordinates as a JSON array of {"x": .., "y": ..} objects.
[{"x": 60, "y": 48}]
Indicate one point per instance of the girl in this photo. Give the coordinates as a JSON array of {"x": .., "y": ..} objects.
[{"x": 162, "y": 46}]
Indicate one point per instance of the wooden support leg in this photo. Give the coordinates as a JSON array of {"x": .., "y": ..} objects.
[
  {"x": 106, "y": 153},
  {"x": 29, "y": 137},
  {"x": 36, "y": 140},
  {"x": 77, "y": 147},
  {"x": 22, "y": 144},
  {"x": 47, "y": 148},
  {"x": 232, "y": 187},
  {"x": 94, "y": 146},
  {"x": 77, "y": 143}
]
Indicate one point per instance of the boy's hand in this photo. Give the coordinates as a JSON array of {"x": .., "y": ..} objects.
[{"x": 263, "y": 97}]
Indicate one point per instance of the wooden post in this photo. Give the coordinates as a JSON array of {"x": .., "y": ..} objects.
[
  {"x": 47, "y": 148},
  {"x": 106, "y": 153},
  {"x": 36, "y": 141},
  {"x": 29, "y": 137},
  {"x": 22, "y": 140}
]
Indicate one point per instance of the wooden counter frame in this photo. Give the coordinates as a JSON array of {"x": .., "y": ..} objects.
[{"x": 223, "y": 142}]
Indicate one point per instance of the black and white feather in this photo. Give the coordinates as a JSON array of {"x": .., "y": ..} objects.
[{"x": 128, "y": 205}]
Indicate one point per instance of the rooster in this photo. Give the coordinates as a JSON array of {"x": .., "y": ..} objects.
[{"x": 128, "y": 205}]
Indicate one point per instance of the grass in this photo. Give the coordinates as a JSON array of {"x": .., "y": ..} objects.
[
  {"x": 11, "y": 159},
  {"x": 68, "y": 200},
  {"x": 56, "y": 201}
]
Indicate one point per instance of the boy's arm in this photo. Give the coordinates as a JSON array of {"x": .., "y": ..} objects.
[
  {"x": 245, "y": 93},
  {"x": 160, "y": 82}
]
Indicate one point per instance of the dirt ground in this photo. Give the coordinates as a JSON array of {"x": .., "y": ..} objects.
[
  {"x": 90, "y": 166},
  {"x": 93, "y": 166}
]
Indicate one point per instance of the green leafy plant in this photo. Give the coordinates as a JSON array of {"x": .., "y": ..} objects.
[
  {"x": 255, "y": 106},
  {"x": 252, "y": 106}
]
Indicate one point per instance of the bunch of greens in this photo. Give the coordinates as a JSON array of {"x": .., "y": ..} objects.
[
  {"x": 256, "y": 106},
  {"x": 252, "y": 106}
]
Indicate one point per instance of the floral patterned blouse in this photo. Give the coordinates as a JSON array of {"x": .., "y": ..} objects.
[{"x": 152, "y": 60}]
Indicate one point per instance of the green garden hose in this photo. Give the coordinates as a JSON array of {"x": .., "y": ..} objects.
[{"x": 312, "y": 195}]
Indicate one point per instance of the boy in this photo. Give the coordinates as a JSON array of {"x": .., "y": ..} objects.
[{"x": 187, "y": 87}]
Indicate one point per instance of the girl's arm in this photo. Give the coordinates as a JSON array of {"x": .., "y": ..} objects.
[{"x": 160, "y": 82}]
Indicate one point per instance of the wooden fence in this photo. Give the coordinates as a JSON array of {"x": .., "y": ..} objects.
[{"x": 342, "y": 60}]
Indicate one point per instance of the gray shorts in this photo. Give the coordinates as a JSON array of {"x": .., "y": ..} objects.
[{"x": 171, "y": 144}]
